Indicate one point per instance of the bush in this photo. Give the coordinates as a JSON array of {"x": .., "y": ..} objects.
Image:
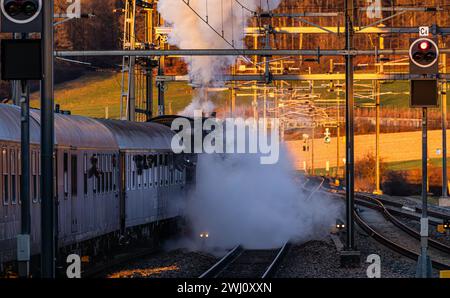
[{"x": 365, "y": 172}]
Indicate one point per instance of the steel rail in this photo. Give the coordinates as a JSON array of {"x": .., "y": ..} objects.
[
  {"x": 220, "y": 267},
  {"x": 222, "y": 263},
  {"x": 388, "y": 243},
  {"x": 273, "y": 267},
  {"x": 433, "y": 243},
  {"x": 395, "y": 247}
]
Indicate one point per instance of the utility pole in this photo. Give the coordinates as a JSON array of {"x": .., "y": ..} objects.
[
  {"x": 149, "y": 91},
  {"x": 424, "y": 262},
  {"x": 128, "y": 92},
  {"x": 47, "y": 147},
  {"x": 161, "y": 86},
  {"x": 24, "y": 238},
  {"x": 312, "y": 145},
  {"x": 149, "y": 40},
  {"x": 444, "y": 132},
  {"x": 338, "y": 133},
  {"x": 349, "y": 256},
  {"x": 380, "y": 69}
]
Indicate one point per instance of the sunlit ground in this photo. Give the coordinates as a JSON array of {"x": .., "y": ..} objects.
[{"x": 140, "y": 273}]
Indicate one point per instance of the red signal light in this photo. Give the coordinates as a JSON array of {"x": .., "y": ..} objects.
[{"x": 424, "y": 45}]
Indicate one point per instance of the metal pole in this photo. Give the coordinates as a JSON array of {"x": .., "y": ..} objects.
[
  {"x": 131, "y": 103},
  {"x": 338, "y": 137},
  {"x": 378, "y": 190},
  {"x": 23, "y": 240},
  {"x": 47, "y": 146},
  {"x": 444, "y": 130},
  {"x": 312, "y": 147},
  {"x": 349, "y": 100},
  {"x": 161, "y": 104},
  {"x": 161, "y": 110},
  {"x": 424, "y": 263},
  {"x": 149, "y": 89}
]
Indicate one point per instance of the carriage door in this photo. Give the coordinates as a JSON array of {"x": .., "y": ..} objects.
[{"x": 74, "y": 190}]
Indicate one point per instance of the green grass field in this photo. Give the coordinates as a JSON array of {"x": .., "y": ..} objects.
[
  {"x": 91, "y": 94},
  {"x": 412, "y": 164}
]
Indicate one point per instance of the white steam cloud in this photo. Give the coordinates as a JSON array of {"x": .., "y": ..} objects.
[
  {"x": 190, "y": 32},
  {"x": 240, "y": 201},
  {"x": 236, "y": 199}
]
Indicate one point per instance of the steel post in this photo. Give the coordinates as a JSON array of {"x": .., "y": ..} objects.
[
  {"x": 47, "y": 147},
  {"x": 23, "y": 240},
  {"x": 444, "y": 130},
  {"x": 424, "y": 263},
  {"x": 349, "y": 123}
]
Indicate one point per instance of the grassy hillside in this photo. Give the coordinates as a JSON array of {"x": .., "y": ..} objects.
[{"x": 92, "y": 93}]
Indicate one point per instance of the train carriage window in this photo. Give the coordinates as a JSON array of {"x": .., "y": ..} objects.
[
  {"x": 139, "y": 180},
  {"x": 19, "y": 169},
  {"x": 1, "y": 175},
  {"x": 85, "y": 175},
  {"x": 109, "y": 173},
  {"x": 34, "y": 180},
  {"x": 114, "y": 172},
  {"x": 13, "y": 163},
  {"x": 144, "y": 175},
  {"x": 128, "y": 172},
  {"x": 103, "y": 173},
  {"x": 150, "y": 170},
  {"x": 110, "y": 181},
  {"x": 65, "y": 174},
  {"x": 166, "y": 169},
  {"x": 94, "y": 179},
  {"x": 106, "y": 173},
  {"x": 38, "y": 185},
  {"x": 161, "y": 167},
  {"x": 171, "y": 170},
  {"x": 5, "y": 176},
  {"x": 156, "y": 170},
  {"x": 99, "y": 178},
  {"x": 133, "y": 174},
  {"x": 74, "y": 175}
]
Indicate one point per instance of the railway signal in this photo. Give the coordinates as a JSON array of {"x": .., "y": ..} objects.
[
  {"x": 23, "y": 16},
  {"x": 424, "y": 61},
  {"x": 424, "y": 56},
  {"x": 327, "y": 138}
]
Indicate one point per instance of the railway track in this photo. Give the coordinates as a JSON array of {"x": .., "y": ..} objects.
[
  {"x": 247, "y": 263},
  {"x": 438, "y": 262}
]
